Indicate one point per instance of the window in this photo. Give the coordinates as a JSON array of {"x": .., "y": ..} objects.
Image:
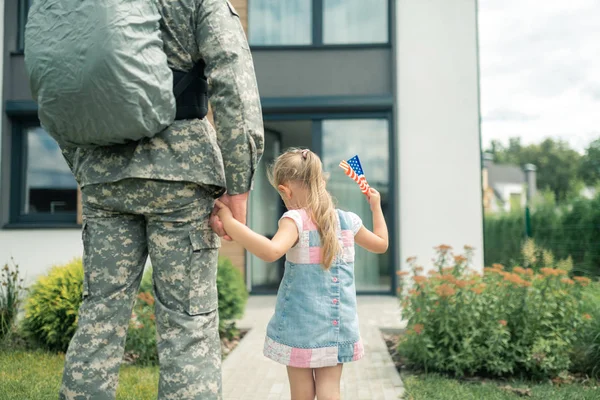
[
  {"x": 23, "y": 10},
  {"x": 369, "y": 138},
  {"x": 263, "y": 217},
  {"x": 43, "y": 187},
  {"x": 318, "y": 22},
  {"x": 515, "y": 201},
  {"x": 355, "y": 21},
  {"x": 277, "y": 22}
]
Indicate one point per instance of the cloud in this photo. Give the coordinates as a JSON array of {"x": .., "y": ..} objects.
[
  {"x": 593, "y": 91},
  {"x": 504, "y": 114},
  {"x": 539, "y": 70}
]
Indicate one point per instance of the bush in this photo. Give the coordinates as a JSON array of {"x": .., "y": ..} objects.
[
  {"x": 568, "y": 230},
  {"x": 146, "y": 286},
  {"x": 51, "y": 309},
  {"x": 232, "y": 297},
  {"x": 586, "y": 354},
  {"x": 52, "y": 305},
  {"x": 141, "y": 336},
  {"x": 536, "y": 258},
  {"x": 10, "y": 298},
  {"x": 499, "y": 323},
  {"x": 504, "y": 234}
]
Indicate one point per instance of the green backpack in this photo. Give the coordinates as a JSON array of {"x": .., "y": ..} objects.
[{"x": 97, "y": 70}]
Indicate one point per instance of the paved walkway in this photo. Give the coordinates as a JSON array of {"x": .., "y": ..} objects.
[{"x": 248, "y": 375}]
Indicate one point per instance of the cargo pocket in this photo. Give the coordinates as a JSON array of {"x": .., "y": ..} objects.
[
  {"x": 203, "y": 296},
  {"x": 86, "y": 281}
]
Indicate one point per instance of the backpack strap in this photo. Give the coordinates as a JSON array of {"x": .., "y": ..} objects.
[{"x": 196, "y": 72}]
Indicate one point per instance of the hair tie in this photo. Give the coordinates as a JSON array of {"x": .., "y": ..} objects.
[{"x": 304, "y": 153}]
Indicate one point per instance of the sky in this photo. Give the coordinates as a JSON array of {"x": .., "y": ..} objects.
[{"x": 540, "y": 70}]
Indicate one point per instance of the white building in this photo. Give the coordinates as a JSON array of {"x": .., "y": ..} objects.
[{"x": 395, "y": 82}]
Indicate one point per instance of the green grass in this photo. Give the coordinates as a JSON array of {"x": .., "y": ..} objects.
[
  {"x": 437, "y": 387},
  {"x": 36, "y": 375}
]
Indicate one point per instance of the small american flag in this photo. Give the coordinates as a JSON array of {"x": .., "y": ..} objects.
[
  {"x": 354, "y": 170},
  {"x": 355, "y": 164}
]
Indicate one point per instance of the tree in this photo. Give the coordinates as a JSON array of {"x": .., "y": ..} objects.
[
  {"x": 558, "y": 165},
  {"x": 590, "y": 164}
]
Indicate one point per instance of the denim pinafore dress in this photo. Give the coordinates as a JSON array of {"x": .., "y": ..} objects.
[{"x": 315, "y": 323}]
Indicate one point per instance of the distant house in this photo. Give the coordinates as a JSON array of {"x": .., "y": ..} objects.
[{"x": 504, "y": 186}]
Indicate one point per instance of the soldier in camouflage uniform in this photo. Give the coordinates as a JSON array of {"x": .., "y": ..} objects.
[{"x": 155, "y": 197}]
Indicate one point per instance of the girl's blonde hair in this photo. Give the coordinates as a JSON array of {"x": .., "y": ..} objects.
[{"x": 304, "y": 167}]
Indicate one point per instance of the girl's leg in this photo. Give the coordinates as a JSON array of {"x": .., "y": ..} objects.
[
  {"x": 327, "y": 382},
  {"x": 302, "y": 383}
]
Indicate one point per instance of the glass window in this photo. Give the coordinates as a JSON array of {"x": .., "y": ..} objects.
[
  {"x": 355, "y": 21},
  {"x": 278, "y": 22},
  {"x": 47, "y": 186},
  {"x": 369, "y": 139},
  {"x": 23, "y": 10},
  {"x": 263, "y": 217}
]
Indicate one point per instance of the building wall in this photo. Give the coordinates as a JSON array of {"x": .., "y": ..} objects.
[
  {"x": 1, "y": 80},
  {"x": 9, "y": 30},
  {"x": 437, "y": 123},
  {"x": 507, "y": 190},
  {"x": 432, "y": 74},
  {"x": 36, "y": 250},
  {"x": 335, "y": 72}
]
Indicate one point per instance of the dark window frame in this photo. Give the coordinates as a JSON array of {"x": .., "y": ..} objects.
[
  {"x": 317, "y": 33},
  {"x": 23, "y": 10},
  {"x": 18, "y": 171},
  {"x": 392, "y": 210},
  {"x": 382, "y": 110}
]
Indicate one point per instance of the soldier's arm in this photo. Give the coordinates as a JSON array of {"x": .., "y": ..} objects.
[{"x": 234, "y": 97}]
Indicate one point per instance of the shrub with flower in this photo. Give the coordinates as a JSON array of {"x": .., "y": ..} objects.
[
  {"x": 53, "y": 302},
  {"x": 141, "y": 337},
  {"x": 11, "y": 291},
  {"x": 496, "y": 323}
]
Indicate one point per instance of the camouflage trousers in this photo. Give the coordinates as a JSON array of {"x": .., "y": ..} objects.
[{"x": 124, "y": 222}]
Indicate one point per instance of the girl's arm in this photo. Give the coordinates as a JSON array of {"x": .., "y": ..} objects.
[
  {"x": 376, "y": 241},
  {"x": 265, "y": 249}
]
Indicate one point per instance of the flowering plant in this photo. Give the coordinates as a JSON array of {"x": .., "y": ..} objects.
[{"x": 496, "y": 323}]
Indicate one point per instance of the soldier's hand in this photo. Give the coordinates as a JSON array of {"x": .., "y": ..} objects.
[{"x": 238, "y": 206}]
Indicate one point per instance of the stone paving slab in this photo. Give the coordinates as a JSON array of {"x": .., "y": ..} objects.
[{"x": 248, "y": 375}]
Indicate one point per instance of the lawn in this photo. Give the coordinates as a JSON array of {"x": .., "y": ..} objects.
[
  {"x": 36, "y": 375},
  {"x": 420, "y": 386},
  {"x": 437, "y": 387}
]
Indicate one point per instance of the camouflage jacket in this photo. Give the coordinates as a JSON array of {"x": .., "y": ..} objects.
[{"x": 191, "y": 150}]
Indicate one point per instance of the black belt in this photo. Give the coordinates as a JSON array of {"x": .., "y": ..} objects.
[{"x": 191, "y": 92}]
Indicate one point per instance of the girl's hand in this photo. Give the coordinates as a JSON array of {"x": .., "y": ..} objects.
[
  {"x": 374, "y": 199},
  {"x": 224, "y": 212}
]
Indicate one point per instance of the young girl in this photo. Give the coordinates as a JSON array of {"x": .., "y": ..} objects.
[{"x": 315, "y": 326}]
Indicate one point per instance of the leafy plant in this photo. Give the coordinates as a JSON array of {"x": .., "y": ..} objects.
[
  {"x": 51, "y": 309},
  {"x": 52, "y": 305},
  {"x": 586, "y": 354},
  {"x": 147, "y": 286},
  {"x": 141, "y": 336},
  {"x": 499, "y": 323},
  {"x": 536, "y": 257},
  {"x": 569, "y": 230},
  {"x": 10, "y": 297},
  {"x": 232, "y": 297}
]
